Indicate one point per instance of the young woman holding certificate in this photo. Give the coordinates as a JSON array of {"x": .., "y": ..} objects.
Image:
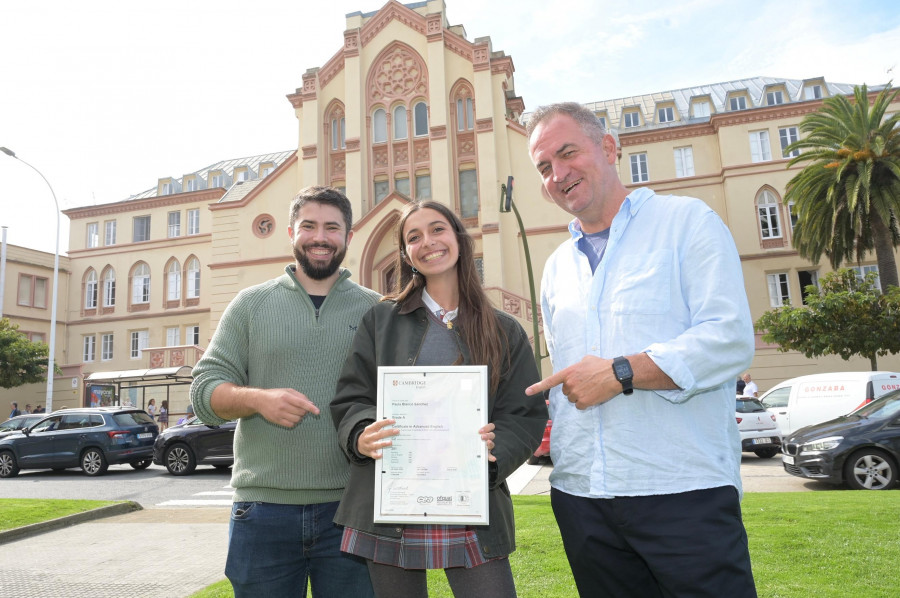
[{"x": 437, "y": 315}]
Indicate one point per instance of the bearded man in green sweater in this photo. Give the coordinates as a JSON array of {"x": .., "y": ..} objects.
[{"x": 273, "y": 364}]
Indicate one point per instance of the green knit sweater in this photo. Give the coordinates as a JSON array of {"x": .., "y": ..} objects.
[{"x": 271, "y": 337}]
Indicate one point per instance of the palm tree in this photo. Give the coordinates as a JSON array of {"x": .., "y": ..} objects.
[{"x": 847, "y": 197}]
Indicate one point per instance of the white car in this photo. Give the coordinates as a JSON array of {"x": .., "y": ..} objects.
[{"x": 758, "y": 428}]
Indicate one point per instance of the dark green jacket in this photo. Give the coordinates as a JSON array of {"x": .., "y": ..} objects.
[{"x": 391, "y": 335}]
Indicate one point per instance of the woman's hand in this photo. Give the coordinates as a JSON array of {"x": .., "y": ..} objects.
[
  {"x": 375, "y": 437},
  {"x": 487, "y": 434}
]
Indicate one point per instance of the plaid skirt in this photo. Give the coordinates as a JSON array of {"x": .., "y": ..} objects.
[{"x": 420, "y": 547}]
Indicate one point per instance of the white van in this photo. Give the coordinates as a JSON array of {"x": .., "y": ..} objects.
[{"x": 813, "y": 399}]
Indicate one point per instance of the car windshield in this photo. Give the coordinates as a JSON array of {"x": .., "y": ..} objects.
[
  {"x": 883, "y": 408},
  {"x": 749, "y": 406},
  {"x": 132, "y": 418}
]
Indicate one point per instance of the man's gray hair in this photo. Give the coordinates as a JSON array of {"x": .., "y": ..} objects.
[{"x": 586, "y": 119}]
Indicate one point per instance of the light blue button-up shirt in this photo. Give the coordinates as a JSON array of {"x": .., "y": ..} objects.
[{"x": 669, "y": 285}]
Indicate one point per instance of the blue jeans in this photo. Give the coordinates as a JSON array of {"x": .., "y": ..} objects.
[{"x": 274, "y": 549}]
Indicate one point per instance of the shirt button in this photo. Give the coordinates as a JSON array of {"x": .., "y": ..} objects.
[{"x": 485, "y": 549}]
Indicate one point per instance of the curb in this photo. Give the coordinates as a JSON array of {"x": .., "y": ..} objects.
[{"x": 34, "y": 529}]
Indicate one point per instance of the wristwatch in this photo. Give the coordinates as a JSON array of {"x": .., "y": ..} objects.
[{"x": 624, "y": 374}]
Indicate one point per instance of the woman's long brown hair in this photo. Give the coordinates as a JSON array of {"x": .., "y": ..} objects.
[{"x": 477, "y": 321}]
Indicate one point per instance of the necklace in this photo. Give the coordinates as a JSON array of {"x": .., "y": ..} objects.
[{"x": 442, "y": 314}]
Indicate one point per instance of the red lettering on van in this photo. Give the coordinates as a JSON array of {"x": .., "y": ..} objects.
[{"x": 890, "y": 386}]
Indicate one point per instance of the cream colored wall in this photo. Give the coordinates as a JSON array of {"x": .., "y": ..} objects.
[
  {"x": 21, "y": 260},
  {"x": 122, "y": 257},
  {"x": 233, "y": 258}
]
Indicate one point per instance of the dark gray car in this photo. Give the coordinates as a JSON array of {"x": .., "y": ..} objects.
[{"x": 89, "y": 438}]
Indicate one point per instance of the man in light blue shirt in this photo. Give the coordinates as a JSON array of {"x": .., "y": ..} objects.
[{"x": 647, "y": 325}]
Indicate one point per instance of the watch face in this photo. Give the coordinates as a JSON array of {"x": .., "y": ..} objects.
[{"x": 622, "y": 370}]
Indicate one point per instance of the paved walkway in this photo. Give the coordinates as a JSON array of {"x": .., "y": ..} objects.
[{"x": 153, "y": 553}]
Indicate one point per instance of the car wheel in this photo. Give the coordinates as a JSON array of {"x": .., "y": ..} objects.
[
  {"x": 142, "y": 464},
  {"x": 870, "y": 469},
  {"x": 180, "y": 460},
  {"x": 532, "y": 460},
  {"x": 93, "y": 462},
  {"x": 8, "y": 466},
  {"x": 766, "y": 453}
]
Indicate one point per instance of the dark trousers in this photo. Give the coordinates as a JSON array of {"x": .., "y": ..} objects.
[{"x": 669, "y": 545}]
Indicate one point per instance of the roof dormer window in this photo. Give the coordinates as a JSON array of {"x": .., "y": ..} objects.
[
  {"x": 632, "y": 119},
  {"x": 666, "y": 114}
]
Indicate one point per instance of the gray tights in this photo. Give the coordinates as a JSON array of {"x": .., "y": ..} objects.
[{"x": 492, "y": 579}]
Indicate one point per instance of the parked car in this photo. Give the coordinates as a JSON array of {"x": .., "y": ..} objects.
[
  {"x": 758, "y": 428},
  {"x": 861, "y": 449},
  {"x": 89, "y": 438},
  {"x": 808, "y": 400},
  {"x": 20, "y": 421},
  {"x": 543, "y": 451},
  {"x": 181, "y": 448}
]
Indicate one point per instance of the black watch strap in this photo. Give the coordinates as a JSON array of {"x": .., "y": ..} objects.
[{"x": 624, "y": 374}]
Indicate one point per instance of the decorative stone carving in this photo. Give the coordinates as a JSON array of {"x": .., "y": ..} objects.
[
  {"x": 399, "y": 74},
  {"x": 157, "y": 359},
  {"x": 263, "y": 226}
]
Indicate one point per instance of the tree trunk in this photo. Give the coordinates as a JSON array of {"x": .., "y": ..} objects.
[
  {"x": 873, "y": 361},
  {"x": 884, "y": 253}
]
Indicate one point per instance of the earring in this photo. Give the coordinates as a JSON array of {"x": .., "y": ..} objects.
[{"x": 414, "y": 270}]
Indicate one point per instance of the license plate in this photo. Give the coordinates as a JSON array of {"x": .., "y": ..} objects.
[
  {"x": 762, "y": 441},
  {"x": 145, "y": 435},
  {"x": 787, "y": 459}
]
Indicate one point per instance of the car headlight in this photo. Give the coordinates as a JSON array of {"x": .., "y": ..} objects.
[{"x": 822, "y": 444}]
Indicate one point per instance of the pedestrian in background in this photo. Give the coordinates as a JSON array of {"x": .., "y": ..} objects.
[{"x": 163, "y": 415}]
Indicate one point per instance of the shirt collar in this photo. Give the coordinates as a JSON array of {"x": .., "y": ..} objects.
[
  {"x": 633, "y": 202},
  {"x": 431, "y": 304}
]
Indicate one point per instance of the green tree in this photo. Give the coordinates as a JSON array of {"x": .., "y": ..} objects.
[
  {"x": 846, "y": 198},
  {"x": 21, "y": 360},
  {"x": 846, "y": 317}
]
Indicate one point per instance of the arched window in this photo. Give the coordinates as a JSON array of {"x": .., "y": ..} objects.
[
  {"x": 465, "y": 114},
  {"x": 140, "y": 284},
  {"x": 767, "y": 210},
  {"x": 338, "y": 133},
  {"x": 379, "y": 126},
  {"x": 173, "y": 281},
  {"x": 193, "y": 278},
  {"x": 90, "y": 290},
  {"x": 109, "y": 288},
  {"x": 400, "y": 123},
  {"x": 420, "y": 114}
]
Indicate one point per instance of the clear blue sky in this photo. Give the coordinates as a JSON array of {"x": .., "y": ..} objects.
[{"x": 105, "y": 97}]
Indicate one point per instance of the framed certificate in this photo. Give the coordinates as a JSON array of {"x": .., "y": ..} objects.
[{"x": 436, "y": 470}]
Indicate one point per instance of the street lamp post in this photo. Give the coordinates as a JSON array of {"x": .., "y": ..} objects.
[
  {"x": 508, "y": 205},
  {"x": 51, "y": 366}
]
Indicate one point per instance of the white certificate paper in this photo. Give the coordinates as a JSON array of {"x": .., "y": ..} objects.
[{"x": 436, "y": 469}]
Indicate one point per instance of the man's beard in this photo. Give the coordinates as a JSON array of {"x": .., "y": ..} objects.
[{"x": 317, "y": 271}]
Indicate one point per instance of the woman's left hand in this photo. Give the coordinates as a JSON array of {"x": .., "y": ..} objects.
[{"x": 487, "y": 434}]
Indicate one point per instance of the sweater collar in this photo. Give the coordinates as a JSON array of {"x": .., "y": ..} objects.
[{"x": 292, "y": 276}]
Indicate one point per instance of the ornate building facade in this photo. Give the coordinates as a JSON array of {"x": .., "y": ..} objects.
[{"x": 407, "y": 108}]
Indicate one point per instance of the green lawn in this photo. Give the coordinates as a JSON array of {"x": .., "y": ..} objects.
[
  {"x": 838, "y": 544},
  {"x": 16, "y": 512}
]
